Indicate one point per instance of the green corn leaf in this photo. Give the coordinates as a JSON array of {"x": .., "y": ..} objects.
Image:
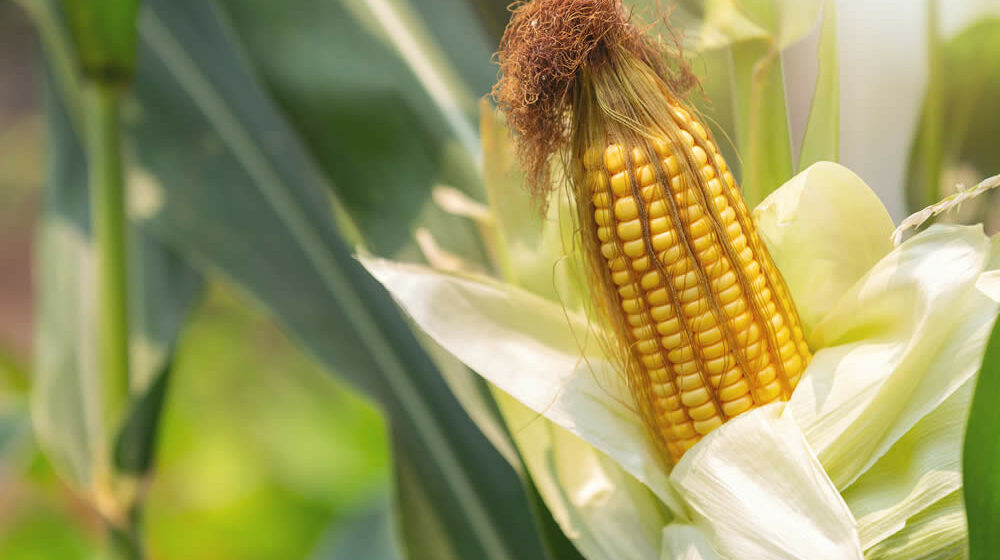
[
  {"x": 955, "y": 141},
  {"x": 981, "y": 479},
  {"x": 761, "y": 115},
  {"x": 235, "y": 190},
  {"x": 822, "y": 137},
  {"x": 382, "y": 107},
  {"x": 365, "y": 534}
]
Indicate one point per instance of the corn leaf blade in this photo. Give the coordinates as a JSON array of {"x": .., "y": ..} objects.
[
  {"x": 237, "y": 192},
  {"x": 822, "y": 137},
  {"x": 981, "y": 454},
  {"x": 954, "y": 142}
]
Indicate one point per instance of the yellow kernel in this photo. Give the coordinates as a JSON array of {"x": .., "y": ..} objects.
[
  {"x": 602, "y": 216},
  {"x": 668, "y": 326},
  {"x": 631, "y": 305},
  {"x": 695, "y": 308},
  {"x": 680, "y": 355},
  {"x": 653, "y": 360},
  {"x": 628, "y": 291},
  {"x": 729, "y": 295},
  {"x": 620, "y": 184},
  {"x": 604, "y": 234},
  {"x": 640, "y": 264},
  {"x": 716, "y": 350},
  {"x": 638, "y": 156},
  {"x": 683, "y": 431},
  {"x": 661, "y": 313},
  {"x": 671, "y": 255},
  {"x": 700, "y": 227},
  {"x": 686, "y": 280},
  {"x": 703, "y": 412},
  {"x": 705, "y": 426},
  {"x": 766, "y": 393},
  {"x": 793, "y": 363},
  {"x": 715, "y": 188},
  {"x": 650, "y": 280},
  {"x": 710, "y": 336},
  {"x": 724, "y": 281},
  {"x": 621, "y": 278},
  {"x": 686, "y": 368},
  {"x": 698, "y": 129},
  {"x": 602, "y": 200},
  {"x": 658, "y": 297},
  {"x": 652, "y": 192},
  {"x": 626, "y": 208},
  {"x": 687, "y": 138},
  {"x": 716, "y": 366},
  {"x": 671, "y": 166},
  {"x": 658, "y": 209},
  {"x": 609, "y": 250},
  {"x": 700, "y": 157},
  {"x": 738, "y": 406},
  {"x": 642, "y": 333},
  {"x": 661, "y": 147},
  {"x": 704, "y": 321},
  {"x": 614, "y": 158},
  {"x": 694, "y": 397},
  {"x": 662, "y": 389},
  {"x": 727, "y": 214},
  {"x": 648, "y": 346},
  {"x": 647, "y": 175},
  {"x": 689, "y": 295},
  {"x": 618, "y": 263},
  {"x": 630, "y": 230},
  {"x": 734, "y": 391},
  {"x": 635, "y": 248},
  {"x": 672, "y": 341},
  {"x": 686, "y": 444},
  {"x": 766, "y": 375},
  {"x": 704, "y": 242},
  {"x": 783, "y": 336},
  {"x": 663, "y": 241},
  {"x": 741, "y": 322}
]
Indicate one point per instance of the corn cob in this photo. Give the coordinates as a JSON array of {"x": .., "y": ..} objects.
[
  {"x": 703, "y": 324},
  {"x": 710, "y": 324}
]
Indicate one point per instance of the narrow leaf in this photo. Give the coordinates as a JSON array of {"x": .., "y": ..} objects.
[
  {"x": 822, "y": 137},
  {"x": 981, "y": 455},
  {"x": 235, "y": 190},
  {"x": 762, "y": 134}
]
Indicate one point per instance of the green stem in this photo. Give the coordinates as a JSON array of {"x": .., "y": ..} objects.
[
  {"x": 125, "y": 543},
  {"x": 109, "y": 228}
]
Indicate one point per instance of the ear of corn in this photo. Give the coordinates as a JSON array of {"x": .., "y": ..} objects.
[
  {"x": 703, "y": 324},
  {"x": 707, "y": 319}
]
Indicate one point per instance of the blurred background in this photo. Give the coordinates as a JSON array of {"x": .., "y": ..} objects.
[{"x": 264, "y": 455}]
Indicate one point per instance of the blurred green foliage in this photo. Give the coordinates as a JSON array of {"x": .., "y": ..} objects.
[
  {"x": 956, "y": 139},
  {"x": 261, "y": 452}
]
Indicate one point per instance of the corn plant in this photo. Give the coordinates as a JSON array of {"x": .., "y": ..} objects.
[{"x": 632, "y": 314}]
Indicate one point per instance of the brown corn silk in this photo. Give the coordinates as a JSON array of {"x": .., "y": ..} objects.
[{"x": 704, "y": 325}]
